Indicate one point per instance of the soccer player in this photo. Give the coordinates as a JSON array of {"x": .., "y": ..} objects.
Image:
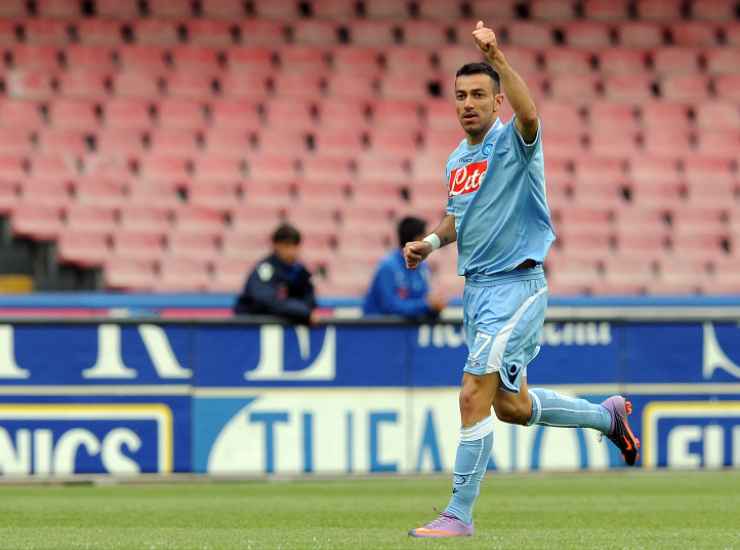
[{"x": 497, "y": 212}]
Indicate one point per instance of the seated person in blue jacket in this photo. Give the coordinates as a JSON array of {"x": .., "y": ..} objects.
[
  {"x": 396, "y": 290},
  {"x": 280, "y": 285}
]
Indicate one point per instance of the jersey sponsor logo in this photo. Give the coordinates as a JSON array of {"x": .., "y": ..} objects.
[{"x": 467, "y": 179}]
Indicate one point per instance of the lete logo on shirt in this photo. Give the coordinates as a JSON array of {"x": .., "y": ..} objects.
[{"x": 467, "y": 179}]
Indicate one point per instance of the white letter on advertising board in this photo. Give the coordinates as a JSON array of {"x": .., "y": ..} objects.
[
  {"x": 114, "y": 461},
  {"x": 66, "y": 451},
  {"x": 161, "y": 354},
  {"x": 109, "y": 363},
  {"x": 271, "y": 365},
  {"x": 15, "y": 459},
  {"x": 8, "y": 367}
]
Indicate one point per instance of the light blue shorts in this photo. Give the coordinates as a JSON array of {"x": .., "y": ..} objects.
[{"x": 503, "y": 321}]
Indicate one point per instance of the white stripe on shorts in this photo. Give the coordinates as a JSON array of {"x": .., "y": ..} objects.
[{"x": 498, "y": 347}]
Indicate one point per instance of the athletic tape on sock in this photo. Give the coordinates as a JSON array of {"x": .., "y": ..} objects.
[{"x": 478, "y": 430}]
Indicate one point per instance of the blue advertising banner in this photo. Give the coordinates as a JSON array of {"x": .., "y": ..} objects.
[{"x": 230, "y": 398}]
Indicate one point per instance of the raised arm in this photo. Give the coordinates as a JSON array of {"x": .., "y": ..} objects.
[
  {"x": 514, "y": 87},
  {"x": 416, "y": 251}
]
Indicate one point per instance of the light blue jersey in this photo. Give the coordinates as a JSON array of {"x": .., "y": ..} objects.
[{"x": 496, "y": 191}]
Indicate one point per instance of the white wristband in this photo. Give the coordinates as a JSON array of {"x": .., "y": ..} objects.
[{"x": 433, "y": 239}]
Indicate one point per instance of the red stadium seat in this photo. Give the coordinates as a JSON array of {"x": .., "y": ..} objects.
[
  {"x": 126, "y": 142},
  {"x": 254, "y": 60},
  {"x": 717, "y": 115},
  {"x": 142, "y": 58},
  {"x": 72, "y": 142},
  {"x": 403, "y": 87},
  {"x": 268, "y": 9},
  {"x": 174, "y": 141},
  {"x": 207, "y": 32},
  {"x": 300, "y": 114},
  {"x": 20, "y": 114},
  {"x": 237, "y": 114},
  {"x": 41, "y": 57},
  {"x": 732, "y": 34},
  {"x": 583, "y": 86},
  {"x": 83, "y": 57},
  {"x": 355, "y": 60},
  {"x": 661, "y": 194},
  {"x": 132, "y": 83},
  {"x": 386, "y": 9},
  {"x": 83, "y": 248},
  {"x": 665, "y": 116},
  {"x": 85, "y": 84},
  {"x": 665, "y": 10},
  {"x": 608, "y": 114},
  {"x": 451, "y": 58},
  {"x": 728, "y": 87},
  {"x": 434, "y": 9},
  {"x": 719, "y": 142},
  {"x": 701, "y": 166},
  {"x": 371, "y": 33},
  {"x": 631, "y": 89},
  {"x": 124, "y": 273},
  {"x": 180, "y": 113},
  {"x": 167, "y": 8},
  {"x": 685, "y": 88},
  {"x": 190, "y": 83},
  {"x": 13, "y": 8},
  {"x": 333, "y": 9},
  {"x": 99, "y": 191},
  {"x": 34, "y": 84},
  {"x": 523, "y": 59},
  {"x": 587, "y": 34},
  {"x": 238, "y": 85},
  {"x": 156, "y": 32},
  {"x": 694, "y": 33},
  {"x": 315, "y": 32},
  {"x": 73, "y": 114},
  {"x": 610, "y": 142},
  {"x": 528, "y": 34},
  {"x": 46, "y": 31},
  {"x": 591, "y": 168},
  {"x": 253, "y": 221},
  {"x": 99, "y": 32},
  {"x": 230, "y": 273},
  {"x": 496, "y": 9},
  {"x": 568, "y": 61},
  {"x": 428, "y": 34},
  {"x": 273, "y": 167},
  {"x": 640, "y": 34},
  {"x": 140, "y": 216},
  {"x": 623, "y": 62},
  {"x": 396, "y": 113},
  {"x": 605, "y": 10},
  {"x": 227, "y": 141},
  {"x": 186, "y": 243},
  {"x": 327, "y": 168},
  {"x": 10, "y": 31},
  {"x": 165, "y": 167},
  {"x": 215, "y": 194},
  {"x": 303, "y": 59},
  {"x": 405, "y": 60},
  {"x": 338, "y": 141},
  {"x": 552, "y": 10},
  {"x": 51, "y": 190},
  {"x": 373, "y": 168},
  {"x": 275, "y": 139},
  {"x": 256, "y": 32},
  {"x": 667, "y": 141},
  {"x": 299, "y": 86},
  {"x": 40, "y": 222},
  {"x": 713, "y": 10},
  {"x": 721, "y": 60},
  {"x": 183, "y": 275},
  {"x": 220, "y": 167},
  {"x": 118, "y": 9},
  {"x": 17, "y": 142},
  {"x": 654, "y": 167},
  {"x": 92, "y": 218},
  {"x": 196, "y": 58},
  {"x": 199, "y": 218},
  {"x": 351, "y": 86},
  {"x": 675, "y": 60}
]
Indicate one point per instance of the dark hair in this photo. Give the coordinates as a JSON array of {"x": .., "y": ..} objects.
[
  {"x": 480, "y": 68},
  {"x": 286, "y": 233},
  {"x": 410, "y": 228}
]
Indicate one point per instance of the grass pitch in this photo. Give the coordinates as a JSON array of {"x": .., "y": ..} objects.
[{"x": 614, "y": 510}]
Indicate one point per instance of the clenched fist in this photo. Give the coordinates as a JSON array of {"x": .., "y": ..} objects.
[
  {"x": 415, "y": 252},
  {"x": 485, "y": 39}
]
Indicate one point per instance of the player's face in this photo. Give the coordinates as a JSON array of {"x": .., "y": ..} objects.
[
  {"x": 287, "y": 252},
  {"x": 477, "y": 103}
]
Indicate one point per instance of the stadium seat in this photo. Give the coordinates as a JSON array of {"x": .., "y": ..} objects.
[
  {"x": 694, "y": 33},
  {"x": 48, "y": 189},
  {"x": 328, "y": 168},
  {"x": 303, "y": 59},
  {"x": 192, "y": 85},
  {"x": 298, "y": 86},
  {"x": 174, "y": 141},
  {"x": 333, "y": 9},
  {"x": 122, "y": 273},
  {"x": 183, "y": 275},
  {"x": 434, "y": 9},
  {"x": 272, "y": 167},
  {"x": 180, "y": 113},
  {"x": 728, "y": 87},
  {"x": 164, "y": 167},
  {"x": 142, "y": 58},
  {"x": 91, "y": 217},
  {"x": 605, "y": 10},
  {"x": 99, "y": 32},
  {"x": 587, "y": 34},
  {"x": 256, "y": 32},
  {"x": 13, "y": 9},
  {"x": 196, "y": 58},
  {"x": 604, "y": 115},
  {"x": 213, "y": 193},
  {"x": 640, "y": 34},
  {"x": 371, "y": 33},
  {"x": 315, "y": 32},
  {"x": 567, "y": 61},
  {"x": 117, "y": 9},
  {"x": 583, "y": 86},
  {"x": 665, "y": 116},
  {"x": 671, "y": 61},
  {"x": 85, "y": 84},
  {"x": 192, "y": 243},
  {"x": 665, "y": 10},
  {"x": 693, "y": 88},
  {"x": 424, "y": 33},
  {"x": 631, "y": 89},
  {"x": 713, "y": 10},
  {"x": 77, "y": 57},
  {"x": 40, "y": 222},
  {"x": 140, "y": 215},
  {"x": 46, "y": 31},
  {"x": 227, "y": 141},
  {"x": 211, "y": 33},
  {"x": 527, "y": 34},
  {"x": 732, "y": 34},
  {"x": 300, "y": 113},
  {"x": 396, "y": 113},
  {"x": 622, "y": 62},
  {"x": 83, "y": 248},
  {"x": 72, "y": 142},
  {"x": 721, "y": 60},
  {"x": 274, "y": 139},
  {"x": 156, "y": 32},
  {"x": 234, "y": 113},
  {"x": 120, "y": 142},
  {"x": 719, "y": 142},
  {"x": 132, "y": 83},
  {"x": 655, "y": 167},
  {"x": 338, "y": 141},
  {"x": 99, "y": 191}
]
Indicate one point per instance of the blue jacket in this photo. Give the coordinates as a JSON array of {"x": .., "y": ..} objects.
[
  {"x": 396, "y": 290},
  {"x": 276, "y": 288}
]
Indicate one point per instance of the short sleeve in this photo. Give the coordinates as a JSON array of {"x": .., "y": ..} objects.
[{"x": 527, "y": 150}]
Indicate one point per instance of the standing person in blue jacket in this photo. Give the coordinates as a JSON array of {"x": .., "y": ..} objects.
[
  {"x": 280, "y": 285},
  {"x": 397, "y": 290}
]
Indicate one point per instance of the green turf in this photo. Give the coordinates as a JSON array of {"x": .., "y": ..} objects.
[{"x": 617, "y": 510}]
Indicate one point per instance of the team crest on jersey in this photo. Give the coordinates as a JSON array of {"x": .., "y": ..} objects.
[{"x": 467, "y": 179}]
